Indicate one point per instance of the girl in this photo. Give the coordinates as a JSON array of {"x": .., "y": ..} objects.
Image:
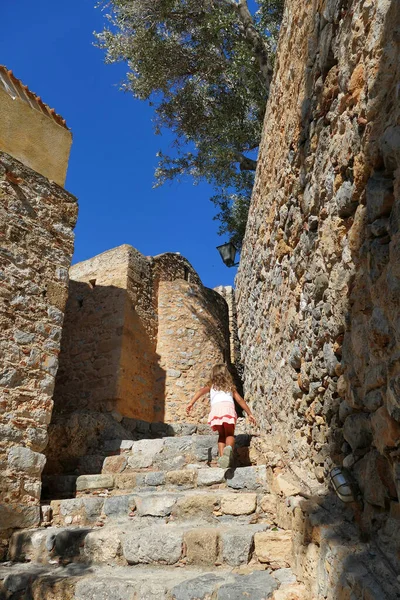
[{"x": 222, "y": 417}]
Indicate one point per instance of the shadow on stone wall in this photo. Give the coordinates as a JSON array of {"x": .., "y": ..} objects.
[
  {"x": 370, "y": 384},
  {"x": 105, "y": 382},
  {"x": 363, "y": 357}
]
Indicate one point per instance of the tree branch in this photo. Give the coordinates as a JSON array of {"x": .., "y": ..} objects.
[
  {"x": 245, "y": 163},
  {"x": 255, "y": 40}
]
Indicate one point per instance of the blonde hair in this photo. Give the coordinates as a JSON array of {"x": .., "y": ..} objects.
[{"x": 221, "y": 379}]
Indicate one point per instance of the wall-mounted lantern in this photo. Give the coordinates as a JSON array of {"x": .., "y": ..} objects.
[
  {"x": 228, "y": 254},
  {"x": 342, "y": 484}
]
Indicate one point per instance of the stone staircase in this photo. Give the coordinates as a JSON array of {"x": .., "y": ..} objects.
[{"x": 162, "y": 521}]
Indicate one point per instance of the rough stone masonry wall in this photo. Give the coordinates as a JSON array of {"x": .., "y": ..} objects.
[
  {"x": 193, "y": 335},
  {"x": 108, "y": 360},
  {"x": 140, "y": 334},
  {"x": 36, "y": 222},
  {"x": 319, "y": 278},
  {"x": 110, "y": 309},
  {"x": 228, "y": 294}
]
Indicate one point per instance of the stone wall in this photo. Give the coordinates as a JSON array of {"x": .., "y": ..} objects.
[
  {"x": 109, "y": 336},
  {"x": 228, "y": 294},
  {"x": 318, "y": 300},
  {"x": 37, "y": 219},
  {"x": 140, "y": 336},
  {"x": 193, "y": 335}
]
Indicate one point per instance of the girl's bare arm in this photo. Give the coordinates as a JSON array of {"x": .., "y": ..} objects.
[
  {"x": 199, "y": 394},
  {"x": 245, "y": 406}
]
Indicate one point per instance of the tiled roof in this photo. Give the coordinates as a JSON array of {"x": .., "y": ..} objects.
[{"x": 16, "y": 88}]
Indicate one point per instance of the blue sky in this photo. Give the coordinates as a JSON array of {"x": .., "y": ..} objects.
[{"x": 49, "y": 46}]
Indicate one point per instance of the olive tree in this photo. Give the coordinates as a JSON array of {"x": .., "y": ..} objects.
[{"x": 206, "y": 67}]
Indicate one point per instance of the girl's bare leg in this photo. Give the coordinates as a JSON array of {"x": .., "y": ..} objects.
[
  {"x": 221, "y": 439},
  {"x": 229, "y": 434}
]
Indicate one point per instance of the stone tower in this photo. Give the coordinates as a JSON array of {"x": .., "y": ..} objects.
[{"x": 37, "y": 218}]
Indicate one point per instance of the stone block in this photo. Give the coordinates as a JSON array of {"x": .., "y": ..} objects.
[
  {"x": 155, "y": 505},
  {"x": 238, "y": 504},
  {"x": 38, "y": 438},
  {"x": 126, "y": 481},
  {"x": 205, "y": 447},
  {"x": 144, "y": 452},
  {"x": 18, "y": 516},
  {"x": 94, "y": 482},
  {"x": 284, "y": 514},
  {"x": 102, "y": 546},
  {"x": 174, "y": 373},
  {"x": 374, "y": 477},
  {"x": 380, "y": 197},
  {"x": 198, "y": 587},
  {"x": 103, "y": 589},
  {"x": 151, "y": 545},
  {"x": 201, "y": 546},
  {"x": 331, "y": 362},
  {"x": 386, "y": 431},
  {"x": 293, "y": 591},
  {"x": 285, "y": 576},
  {"x": 373, "y": 400},
  {"x": 274, "y": 548},
  {"x": 390, "y": 147},
  {"x": 24, "y": 459},
  {"x": 295, "y": 357},
  {"x": 69, "y": 506},
  {"x": 237, "y": 545},
  {"x": 210, "y": 476},
  {"x": 357, "y": 431},
  {"x": 259, "y": 584},
  {"x": 285, "y": 485},
  {"x": 114, "y": 464},
  {"x": 92, "y": 508},
  {"x": 183, "y": 428},
  {"x": 155, "y": 478},
  {"x": 183, "y": 478},
  {"x": 119, "y": 506},
  {"x": 250, "y": 478},
  {"x": 196, "y": 505},
  {"x": 126, "y": 445},
  {"x": 268, "y": 504},
  {"x": 344, "y": 200},
  {"x": 142, "y": 426}
]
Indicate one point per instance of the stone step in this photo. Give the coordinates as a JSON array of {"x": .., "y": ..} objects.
[
  {"x": 192, "y": 543},
  {"x": 247, "y": 478},
  {"x": 83, "y": 582},
  {"x": 124, "y": 456},
  {"x": 210, "y": 505},
  {"x": 171, "y": 453}
]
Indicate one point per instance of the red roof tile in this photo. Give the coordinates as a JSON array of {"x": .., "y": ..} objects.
[{"x": 16, "y": 88}]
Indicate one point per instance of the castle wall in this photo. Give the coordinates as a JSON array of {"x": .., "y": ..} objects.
[
  {"x": 37, "y": 219},
  {"x": 31, "y": 132},
  {"x": 109, "y": 337},
  {"x": 140, "y": 335},
  {"x": 228, "y": 294},
  {"x": 139, "y": 364},
  {"x": 318, "y": 283},
  {"x": 193, "y": 335}
]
